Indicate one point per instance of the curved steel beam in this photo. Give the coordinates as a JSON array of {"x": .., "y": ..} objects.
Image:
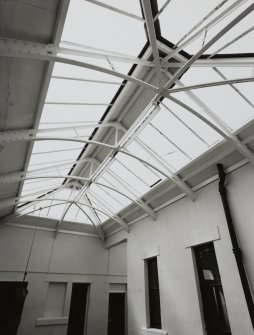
[
  {"x": 211, "y": 84},
  {"x": 62, "y": 203},
  {"x": 35, "y": 210},
  {"x": 16, "y": 200},
  {"x": 120, "y": 222},
  {"x": 29, "y": 138},
  {"x": 28, "y": 50},
  {"x": 54, "y": 167},
  {"x": 100, "y": 232}
]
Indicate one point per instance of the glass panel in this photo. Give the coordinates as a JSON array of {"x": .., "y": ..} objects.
[
  {"x": 199, "y": 129},
  {"x": 131, "y": 6},
  {"x": 77, "y": 91},
  {"x": 244, "y": 44},
  {"x": 137, "y": 168},
  {"x": 85, "y": 31},
  {"x": 67, "y": 70},
  {"x": 129, "y": 177},
  {"x": 228, "y": 112},
  {"x": 180, "y": 16},
  {"x": 116, "y": 201}
]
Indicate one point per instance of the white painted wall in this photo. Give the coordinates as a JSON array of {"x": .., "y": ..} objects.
[
  {"x": 178, "y": 227},
  {"x": 170, "y": 237},
  {"x": 74, "y": 259}
]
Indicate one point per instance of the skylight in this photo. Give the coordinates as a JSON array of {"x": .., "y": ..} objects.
[{"x": 76, "y": 180}]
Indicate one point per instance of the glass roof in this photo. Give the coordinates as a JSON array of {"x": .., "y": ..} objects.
[{"x": 79, "y": 98}]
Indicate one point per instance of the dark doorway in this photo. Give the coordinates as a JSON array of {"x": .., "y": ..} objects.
[
  {"x": 214, "y": 305},
  {"x": 12, "y": 298},
  {"x": 77, "y": 315},
  {"x": 116, "y": 314}
]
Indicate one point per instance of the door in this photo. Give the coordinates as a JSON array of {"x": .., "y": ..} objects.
[
  {"x": 116, "y": 314},
  {"x": 214, "y": 304},
  {"x": 12, "y": 298},
  {"x": 77, "y": 315}
]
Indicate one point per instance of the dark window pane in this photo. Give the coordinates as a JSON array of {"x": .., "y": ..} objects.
[
  {"x": 214, "y": 305},
  {"x": 154, "y": 293}
]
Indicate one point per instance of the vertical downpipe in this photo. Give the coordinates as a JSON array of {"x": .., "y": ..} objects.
[{"x": 236, "y": 249}]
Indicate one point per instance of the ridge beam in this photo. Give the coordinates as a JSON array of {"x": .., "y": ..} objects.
[{"x": 153, "y": 41}]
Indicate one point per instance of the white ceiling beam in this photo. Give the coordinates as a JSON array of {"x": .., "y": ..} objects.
[
  {"x": 45, "y": 191},
  {"x": 222, "y": 62},
  {"x": 184, "y": 88},
  {"x": 67, "y": 103},
  {"x": 8, "y": 137},
  {"x": 88, "y": 80},
  {"x": 58, "y": 29},
  {"x": 95, "y": 221},
  {"x": 68, "y": 205},
  {"x": 16, "y": 135},
  {"x": 15, "y": 200},
  {"x": 27, "y": 50},
  {"x": 84, "y": 47},
  {"x": 15, "y": 177},
  {"x": 54, "y": 167},
  {"x": 8, "y": 218},
  {"x": 153, "y": 41},
  {"x": 48, "y": 49},
  {"x": 121, "y": 222}
]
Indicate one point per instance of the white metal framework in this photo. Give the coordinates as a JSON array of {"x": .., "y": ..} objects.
[{"x": 113, "y": 165}]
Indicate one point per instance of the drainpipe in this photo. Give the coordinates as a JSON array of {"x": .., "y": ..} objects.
[{"x": 236, "y": 249}]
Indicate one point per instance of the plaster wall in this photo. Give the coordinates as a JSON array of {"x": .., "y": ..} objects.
[
  {"x": 171, "y": 237},
  {"x": 66, "y": 259}
]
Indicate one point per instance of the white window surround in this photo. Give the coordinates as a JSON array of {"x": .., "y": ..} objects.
[
  {"x": 202, "y": 235},
  {"x": 153, "y": 331},
  {"x": 154, "y": 251}
]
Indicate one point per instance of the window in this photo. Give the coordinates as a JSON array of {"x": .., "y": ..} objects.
[
  {"x": 55, "y": 300},
  {"x": 154, "y": 293},
  {"x": 214, "y": 305}
]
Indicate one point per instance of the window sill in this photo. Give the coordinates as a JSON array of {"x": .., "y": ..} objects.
[
  {"x": 51, "y": 321},
  {"x": 153, "y": 331}
]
